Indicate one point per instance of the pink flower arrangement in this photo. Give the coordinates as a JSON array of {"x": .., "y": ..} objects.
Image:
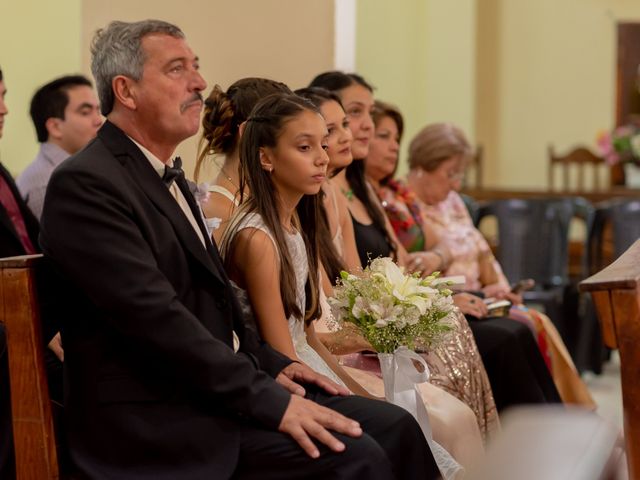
[{"x": 620, "y": 146}]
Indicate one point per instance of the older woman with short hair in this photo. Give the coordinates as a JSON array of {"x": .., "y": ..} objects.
[{"x": 437, "y": 157}]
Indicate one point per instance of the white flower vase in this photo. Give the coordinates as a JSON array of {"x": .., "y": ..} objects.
[
  {"x": 401, "y": 379},
  {"x": 631, "y": 175}
]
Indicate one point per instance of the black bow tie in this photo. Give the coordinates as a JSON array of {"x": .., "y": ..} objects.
[{"x": 171, "y": 173}]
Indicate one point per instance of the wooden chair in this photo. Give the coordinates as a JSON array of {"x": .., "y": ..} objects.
[
  {"x": 33, "y": 431},
  {"x": 582, "y": 159},
  {"x": 616, "y": 294},
  {"x": 616, "y": 228},
  {"x": 475, "y": 165}
]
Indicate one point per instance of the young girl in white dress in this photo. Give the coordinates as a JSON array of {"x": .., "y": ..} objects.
[
  {"x": 268, "y": 253},
  {"x": 270, "y": 247}
]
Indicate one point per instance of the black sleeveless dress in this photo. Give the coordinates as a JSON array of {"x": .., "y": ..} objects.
[{"x": 370, "y": 241}]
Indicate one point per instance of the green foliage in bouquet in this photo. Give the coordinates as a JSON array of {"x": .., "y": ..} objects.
[{"x": 393, "y": 309}]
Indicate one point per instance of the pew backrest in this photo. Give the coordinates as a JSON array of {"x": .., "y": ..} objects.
[
  {"x": 616, "y": 295},
  {"x": 33, "y": 431}
]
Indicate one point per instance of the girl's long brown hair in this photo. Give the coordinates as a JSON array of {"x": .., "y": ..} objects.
[
  {"x": 264, "y": 127},
  {"x": 329, "y": 256}
]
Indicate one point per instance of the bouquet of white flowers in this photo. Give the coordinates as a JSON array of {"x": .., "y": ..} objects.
[
  {"x": 396, "y": 312},
  {"x": 392, "y": 309}
]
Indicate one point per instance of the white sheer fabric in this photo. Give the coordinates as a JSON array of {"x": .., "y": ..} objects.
[
  {"x": 449, "y": 467},
  {"x": 298, "y": 252}
]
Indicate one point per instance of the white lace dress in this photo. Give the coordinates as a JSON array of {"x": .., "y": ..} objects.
[
  {"x": 449, "y": 468},
  {"x": 298, "y": 252}
]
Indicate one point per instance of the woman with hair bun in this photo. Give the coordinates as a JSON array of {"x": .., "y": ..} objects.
[{"x": 224, "y": 112}]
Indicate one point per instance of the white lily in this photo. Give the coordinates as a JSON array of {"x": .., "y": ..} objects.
[{"x": 405, "y": 288}]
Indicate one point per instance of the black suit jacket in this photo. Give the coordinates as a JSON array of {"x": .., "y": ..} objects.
[
  {"x": 153, "y": 388},
  {"x": 10, "y": 244}
]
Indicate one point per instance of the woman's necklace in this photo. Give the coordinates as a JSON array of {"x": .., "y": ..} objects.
[
  {"x": 228, "y": 177},
  {"x": 347, "y": 193}
]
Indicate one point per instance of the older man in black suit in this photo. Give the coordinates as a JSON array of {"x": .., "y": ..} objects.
[{"x": 164, "y": 381}]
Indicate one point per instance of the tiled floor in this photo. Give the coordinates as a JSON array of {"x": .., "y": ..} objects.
[{"x": 606, "y": 390}]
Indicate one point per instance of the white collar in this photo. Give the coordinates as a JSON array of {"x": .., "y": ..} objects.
[{"x": 157, "y": 164}]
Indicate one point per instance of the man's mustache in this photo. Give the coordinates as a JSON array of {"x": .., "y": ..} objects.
[{"x": 197, "y": 97}]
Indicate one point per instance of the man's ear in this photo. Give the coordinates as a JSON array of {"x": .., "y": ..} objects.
[
  {"x": 52, "y": 124},
  {"x": 124, "y": 91},
  {"x": 266, "y": 159}
]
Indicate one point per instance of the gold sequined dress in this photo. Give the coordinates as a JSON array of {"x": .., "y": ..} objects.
[{"x": 456, "y": 368}]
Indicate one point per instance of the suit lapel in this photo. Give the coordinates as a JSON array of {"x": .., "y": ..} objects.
[
  {"x": 157, "y": 192},
  {"x": 197, "y": 214}
]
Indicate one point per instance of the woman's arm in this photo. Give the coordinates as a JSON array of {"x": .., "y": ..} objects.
[
  {"x": 344, "y": 341},
  {"x": 218, "y": 206},
  {"x": 433, "y": 241},
  {"x": 424, "y": 262},
  {"x": 431, "y": 236},
  {"x": 333, "y": 364},
  {"x": 402, "y": 256},
  {"x": 338, "y": 214},
  {"x": 256, "y": 269}
]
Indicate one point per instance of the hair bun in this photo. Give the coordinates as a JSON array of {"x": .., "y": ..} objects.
[{"x": 219, "y": 128}]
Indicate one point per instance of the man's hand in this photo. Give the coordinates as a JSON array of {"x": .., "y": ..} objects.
[
  {"x": 56, "y": 346},
  {"x": 297, "y": 372},
  {"x": 304, "y": 419}
]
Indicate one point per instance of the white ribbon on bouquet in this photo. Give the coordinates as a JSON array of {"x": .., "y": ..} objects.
[{"x": 401, "y": 379}]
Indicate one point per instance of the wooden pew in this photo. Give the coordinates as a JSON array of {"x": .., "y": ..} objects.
[
  {"x": 33, "y": 432},
  {"x": 616, "y": 294}
]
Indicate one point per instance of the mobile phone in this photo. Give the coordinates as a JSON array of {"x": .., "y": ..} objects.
[{"x": 523, "y": 285}]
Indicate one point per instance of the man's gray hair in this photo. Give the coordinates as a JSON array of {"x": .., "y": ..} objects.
[{"x": 117, "y": 50}]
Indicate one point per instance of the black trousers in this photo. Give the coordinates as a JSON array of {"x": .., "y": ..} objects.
[
  {"x": 516, "y": 370},
  {"x": 392, "y": 446}
]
